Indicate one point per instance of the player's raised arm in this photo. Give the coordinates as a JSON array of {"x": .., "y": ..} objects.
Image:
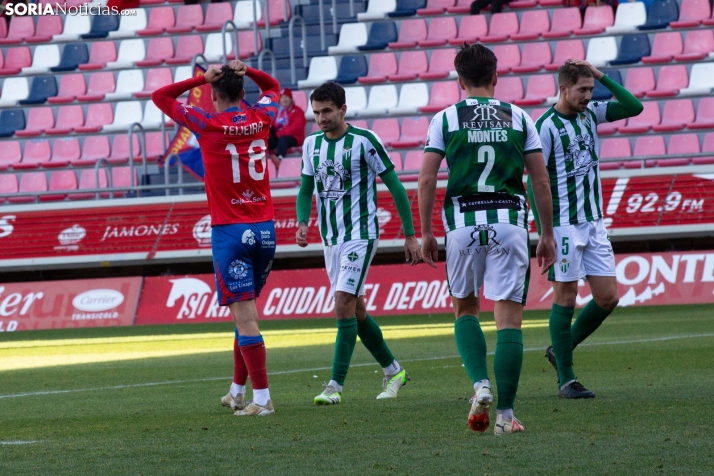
[{"x": 269, "y": 87}]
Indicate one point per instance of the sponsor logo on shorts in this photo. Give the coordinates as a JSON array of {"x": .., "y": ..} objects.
[
  {"x": 564, "y": 265},
  {"x": 350, "y": 268},
  {"x": 484, "y": 236},
  {"x": 248, "y": 237},
  {"x": 351, "y": 282},
  {"x": 238, "y": 285},
  {"x": 265, "y": 238},
  {"x": 238, "y": 269},
  {"x": 352, "y": 256}
]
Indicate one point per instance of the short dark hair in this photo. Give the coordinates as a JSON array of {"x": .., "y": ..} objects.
[
  {"x": 569, "y": 74},
  {"x": 230, "y": 86},
  {"x": 476, "y": 65},
  {"x": 329, "y": 91}
]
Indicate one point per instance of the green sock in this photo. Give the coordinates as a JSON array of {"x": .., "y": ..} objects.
[
  {"x": 560, "y": 336},
  {"x": 588, "y": 320},
  {"x": 507, "y": 363},
  {"x": 371, "y": 336},
  {"x": 471, "y": 344},
  {"x": 344, "y": 346}
]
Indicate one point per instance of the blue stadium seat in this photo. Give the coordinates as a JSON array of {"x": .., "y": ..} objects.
[
  {"x": 601, "y": 93},
  {"x": 311, "y": 13},
  {"x": 73, "y": 55},
  {"x": 102, "y": 25},
  {"x": 11, "y": 120},
  {"x": 380, "y": 35},
  {"x": 632, "y": 49},
  {"x": 660, "y": 14},
  {"x": 407, "y": 8},
  {"x": 281, "y": 46},
  {"x": 43, "y": 87},
  {"x": 351, "y": 68}
]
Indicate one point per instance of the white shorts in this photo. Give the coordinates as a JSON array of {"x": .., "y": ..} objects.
[
  {"x": 496, "y": 256},
  {"x": 347, "y": 265},
  {"x": 582, "y": 250}
]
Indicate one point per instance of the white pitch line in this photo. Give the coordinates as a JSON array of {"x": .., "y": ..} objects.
[
  {"x": 18, "y": 442},
  {"x": 314, "y": 369}
]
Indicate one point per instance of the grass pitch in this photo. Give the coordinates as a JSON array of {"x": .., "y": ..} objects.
[{"x": 146, "y": 401}]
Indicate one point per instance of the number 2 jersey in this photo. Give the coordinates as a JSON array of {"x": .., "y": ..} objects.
[
  {"x": 484, "y": 141},
  {"x": 233, "y": 145}
]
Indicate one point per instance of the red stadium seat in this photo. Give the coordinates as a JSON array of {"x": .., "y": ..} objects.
[
  {"x": 697, "y": 45},
  {"x": 3, "y": 29},
  {"x": 503, "y": 25},
  {"x": 664, "y": 47},
  {"x": 21, "y": 27},
  {"x": 536, "y": 55},
  {"x": 508, "y": 56},
  {"x": 61, "y": 181},
  {"x": 607, "y": 128},
  {"x": 68, "y": 118},
  {"x": 65, "y": 150},
  {"x": 597, "y": 18},
  {"x": 471, "y": 29},
  {"x": 361, "y": 123},
  {"x": 36, "y": 153},
  {"x": 705, "y": 115},
  {"x": 216, "y": 15},
  {"x": 155, "y": 79},
  {"x": 615, "y": 148},
  {"x": 443, "y": 94},
  {"x": 669, "y": 81},
  {"x": 276, "y": 12},
  {"x": 71, "y": 86},
  {"x": 121, "y": 178},
  {"x": 509, "y": 89},
  {"x": 388, "y": 129},
  {"x": 120, "y": 149},
  {"x": 188, "y": 46},
  {"x": 381, "y": 66},
  {"x": 410, "y": 33},
  {"x": 565, "y": 22},
  {"x": 441, "y": 64},
  {"x": 88, "y": 181},
  {"x": 39, "y": 119},
  {"x": 47, "y": 27},
  {"x": 412, "y": 163},
  {"x": 188, "y": 18},
  {"x": 692, "y": 13},
  {"x": 396, "y": 158},
  {"x": 441, "y": 30},
  {"x": 160, "y": 18},
  {"x": 12, "y": 154},
  {"x": 537, "y": 112},
  {"x": 155, "y": 148},
  {"x": 640, "y": 81},
  {"x": 300, "y": 98},
  {"x": 8, "y": 184},
  {"x": 676, "y": 115},
  {"x": 16, "y": 58},
  {"x": 100, "y": 84},
  {"x": 158, "y": 50},
  {"x": 648, "y": 118},
  {"x": 533, "y": 24},
  {"x": 414, "y": 130},
  {"x": 290, "y": 168},
  {"x": 681, "y": 145},
  {"x": 649, "y": 145},
  {"x": 435, "y": 7},
  {"x": 707, "y": 146},
  {"x": 461, "y": 6},
  {"x": 565, "y": 50},
  {"x": 30, "y": 182},
  {"x": 411, "y": 65},
  {"x": 101, "y": 53},
  {"x": 245, "y": 43},
  {"x": 98, "y": 116},
  {"x": 93, "y": 149},
  {"x": 540, "y": 88}
]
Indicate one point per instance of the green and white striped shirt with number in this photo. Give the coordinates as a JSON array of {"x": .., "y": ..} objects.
[
  {"x": 345, "y": 171},
  {"x": 570, "y": 146},
  {"x": 484, "y": 141}
]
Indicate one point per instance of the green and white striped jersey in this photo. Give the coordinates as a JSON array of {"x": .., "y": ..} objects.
[
  {"x": 345, "y": 171},
  {"x": 484, "y": 141},
  {"x": 570, "y": 146}
]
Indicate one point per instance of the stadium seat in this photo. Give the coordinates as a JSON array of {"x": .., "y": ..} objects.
[
  {"x": 539, "y": 89},
  {"x": 377, "y": 10},
  {"x": 187, "y": 47},
  {"x": 412, "y": 163},
  {"x": 396, "y": 158},
  {"x": 676, "y": 115},
  {"x": 461, "y": 6},
  {"x": 627, "y": 18},
  {"x": 65, "y": 150},
  {"x": 101, "y": 53},
  {"x": 160, "y": 19},
  {"x": 8, "y": 185},
  {"x": 98, "y": 115},
  {"x": 12, "y": 154},
  {"x": 681, "y": 145},
  {"x": 21, "y": 27},
  {"x": 155, "y": 79},
  {"x": 381, "y": 34},
  {"x": 381, "y": 66},
  {"x": 533, "y": 24},
  {"x": 381, "y": 98},
  {"x": 411, "y": 65},
  {"x": 88, "y": 181},
  {"x": 36, "y": 153},
  {"x": 322, "y": 68},
  {"x": 502, "y": 26},
  {"x": 537, "y": 112},
  {"x": 692, "y": 13},
  {"x": 648, "y": 145},
  {"x": 243, "y": 14},
  {"x": 597, "y": 18},
  {"x": 3, "y": 30},
  {"x": 601, "y": 51},
  {"x": 246, "y": 46},
  {"x": 60, "y": 181},
  {"x": 441, "y": 65},
  {"x": 30, "y": 182},
  {"x": 701, "y": 80},
  {"x": 471, "y": 29},
  {"x": 565, "y": 22},
  {"x": 43, "y": 58},
  {"x": 613, "y": 151},
  {"x": 290, "y": 167},
  {"x": 705, "y": 115},
  {"x": 388, "y": 130},
  {"x": 414, "y": 131},
  {"x": 441, "y": 30},
  {"x": 100, "y": 83},
  {"x": 352, "y": 67},
  {"x": 125, "y": 114},
  {"x": 443, "y": 94},
  {"x": 660, "y": 14},
  {"x": 407, "y": 8},
  {"x": 120, "y": 149},
  {"x": 356, "y": 99},
  {"x": 509, "y": 89},
  {"x": 129, "y": 81},
  {"x": 412, "y": 96},
  {"x": 601, "y": 93},
  {"x": 155, "y": 147},
  {"x": 16, "y": 58},
  {"x": 435, "y": 7},
  {"x": 697, "y": 45},
  {"x": 664, "y": 47},
  {"x": 152, "y": 117},
  {"x": 707, "y": 146},
  {"x": 47, "y": 27},
  {"x": 94, "y": 148},
  {"x": 213, "y": 50},
  {"x": 187, "y": 18},
  {"x": 300, "y": 99},
  {"x": 276, "y": 12},
  {"x": 410, "y": 33},
  {"x": 158, "y": 50},
  {"x": 68, "y": 118},
  {"x": 670, "y": 80},
  {"x": 565, "y": 50},
  {"x": 42, "y": 87},
  {"x": 38, "y": 120},
  {"x": 642, "y": 123},
  {"x": 130, "y": 51},
  {"x": 640, "y": 81},
  {"x": 632, "y": 49},
  {"x": 101, "y": 26},
  {"x": 130, "y": 24},
  {"x": 536, "y": 55},
  {"x": 508, "y": 56},
  {"x": 73, "y": 55},
  {"x": 11, "y": 120},
  {"x": 182, "y": 73},
  {"x": 74, "y": 27},
  {"x": 218, "y": 13},
  {"x": 14, "y": 90}
]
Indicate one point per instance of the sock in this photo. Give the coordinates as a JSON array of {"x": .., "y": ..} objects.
[
  {"x": 344, "y": 346},
  {"x": 562, "y": 340},
  {"x": 253, "y": 350},
  {"x": 471, "y": 344},
  {"x": 236, "y": 389},
  {"x": 588, "y": 320},
  {"x": 507, "y": 363},
  {"x": 481, "y": 383},
  {"x": 371, "y": 336},
  {"x": 506, "y": 414},
  {"x": 335, "y": 385},
  {"x": 240, "y": 371},
  {"x": 392, "y": 369},
  {"x": 261, "y": 396}
]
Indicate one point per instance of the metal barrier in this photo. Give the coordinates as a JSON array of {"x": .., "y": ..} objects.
[
  {"x": 110, "y": 185},
  {"x": 142, "y": 143},
  {"x": 167, "y": 166},
  {"x": 322, "y": 27},
  {"x": 255, "y": 27},
  {"x": 291, "y": 25},
  {"x": 224, "y": 30},
  {"x": 194, "y": 61},
  {"x": 262, "y": 54}
]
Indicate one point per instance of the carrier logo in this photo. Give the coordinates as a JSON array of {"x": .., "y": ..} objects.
[
  {"x": 248, "y": 237},
  {"x": 5, "y": 225},
  {"x": 70, "y": 237},
  {"x": 195, "y": 294},
  {"x": 238, "y": 269},
  {"x": 97, "y": 300},
  {"x": 202, "y": 231}
]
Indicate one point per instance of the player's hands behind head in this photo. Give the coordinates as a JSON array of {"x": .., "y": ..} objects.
[
  {"x": 238, "y": 66},
  {"x": 213, "y": 74}
]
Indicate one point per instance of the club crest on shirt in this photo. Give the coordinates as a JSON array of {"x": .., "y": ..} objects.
[
  {"x": 580, "y": 153},
  {"x": 332, "y": 176}
]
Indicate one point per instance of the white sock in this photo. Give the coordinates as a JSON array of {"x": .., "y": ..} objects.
[
  {"x": 261, "y": 397},
  {"x": 335, "y": 385},
  {"x": 236, "y": 389},
  {"x": 392, "y": 369},
  {"x": 481, "y": 383},
  {"x": 506, "y": 414}
]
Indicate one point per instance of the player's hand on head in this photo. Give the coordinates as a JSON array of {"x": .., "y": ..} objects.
[
  {"x": 301, "y": 235},
  {"x": 545, "y": 253},
  {"x": 412, "y": 250},
  {"x": 213, "y": 74},
  {"x": 578, "y": 62},
  {"x": 238, "y": 67},
  {"x": 429, "y": 250}
]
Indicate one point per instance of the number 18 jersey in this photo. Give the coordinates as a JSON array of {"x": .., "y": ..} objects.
[{"x": 484, "y": 141}]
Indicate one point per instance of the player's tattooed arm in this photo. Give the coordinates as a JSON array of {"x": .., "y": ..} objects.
[
  {"x": 427, "y": 195},
  {"x": 540, "y": 186}
]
